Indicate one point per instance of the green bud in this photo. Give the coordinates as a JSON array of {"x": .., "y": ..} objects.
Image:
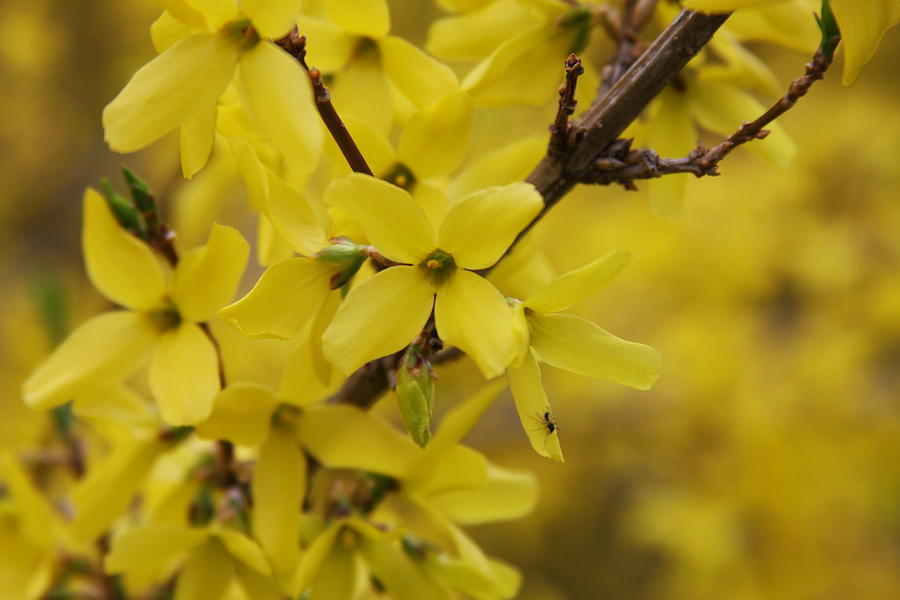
[
  {"x": 415, "y": 395},
  {"x": 143, "y": 199},
  {"x": 346, "y": 255},
  {"x": 830, "y": 32},
  {"x": 123, "y": 210}
]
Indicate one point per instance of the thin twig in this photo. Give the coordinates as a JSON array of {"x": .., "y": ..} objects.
[
  {"x": 559, "y": 130},
  {"x": 295, "y": 45}
]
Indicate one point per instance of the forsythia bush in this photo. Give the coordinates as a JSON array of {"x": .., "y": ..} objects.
[{"x": 391, "y": 244}]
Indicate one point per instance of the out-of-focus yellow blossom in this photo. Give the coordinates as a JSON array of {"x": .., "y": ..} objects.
[
  {"x": 862, "y": 24},
  {"x": 385, "y": 312},
  {"x": 210, "y": 559},
  {"x": 573, "y": 344},
  {"x": 527, "y": 65},
  {"x": 162, "y": 316},
  {"x": 419, "y": 165},
  {"x": 366, "y": 65},
  {"x": 207, "y": 44}
]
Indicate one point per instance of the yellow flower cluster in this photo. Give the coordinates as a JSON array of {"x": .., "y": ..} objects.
[{"x": 207, "y": 479}]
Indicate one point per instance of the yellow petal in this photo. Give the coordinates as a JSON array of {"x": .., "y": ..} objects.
[
  {"x": 862, "y": 25},
  {"x": 342, "y": 436},
  {"x": 369, "y": 18},
  {"x": 400, "y": 576},
  {"x": 378, "y": 317},
  {"x": 450, "y": 121},
  {"x": 671, "y": 133},
  {"x": 300, "y": 383},
  {"x": 117, "y": 412},
  {"x": 569, "y": 288},
  {"x": 338, "y": 576},
  {"x": 104, "y": 495},
  {"x": 433, "y": 200},
  {"x": 276, "y": 92},
  {"x": 272, "y": 18},
  {"x": 270, "y": 247},
  {"x": 104, "y": 349},
  {"x": 184, "y": 11},
  {"x": 168, "y": 30},
  {"x": 388, "y": 215},
  {"x": 475, "y": 35},
  {"x": 511, "y": 162},
  {"x": 279, "y": 484},
  {"x": 184, "y": 375},
  {"x": 507, "y": 495},
  {"x": 472, "y": 315},
  {"x": 448, "y": 468},
  {"x": 361, "y": 90},
  {"x": 525, "y": 69},
  {"x": 150, "y": 548},
  {"x": 40, "y": 522},
  {"x": 374, "y": 145},
  {"x": 479, "y": 228},
  {"x": 241, "y": 414},
  {"x": 207, "y": 277},
  {"x": 252, "y": 171},
  {"x": 721, "y": 5},
  {"x": 534, "y": 408},
  {"x": 256, "y": 586},
  {"x": 786, "y": 23},
  {"x": 293, "y": 217},
  {"x": 284, "y": 300},
  {"x": 722, "y": 108},
  {"x": 170, "y": 89},
  {"x": 328, "y": 46},
  {"x": 420, "y": 78},
  {"x": 463, "y": 417},
  {"x": 577, "y": 345},
  {"x": 244, "y": 549},
  {"x": 207, "y": 574},
  {"x": 217, "y": 12},
  {"x": 314, "y": 557},
  {"x": 197, "y": 136},
  {"x": 121, "y": 267}
]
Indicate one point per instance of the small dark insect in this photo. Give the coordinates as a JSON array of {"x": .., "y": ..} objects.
[{"x": 547, "y": 423}]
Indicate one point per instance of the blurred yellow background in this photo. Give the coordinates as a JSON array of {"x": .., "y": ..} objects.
[{"x": 764, "y": 464}]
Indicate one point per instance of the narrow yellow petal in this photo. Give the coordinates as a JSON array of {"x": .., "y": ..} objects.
[
  {"x": 448, "y": 120},
  {"x": 472, "y": 315},
  {"x": 314, "y": 557},
  {"x": 276, "y": 92},
  {"x": 463, "y": 417},
  {"x": 39, "y": 521},
  {"x": 300, "y": 383},
  {"x": 117, "y": 412},
  {"x": 270, "y": 247},
  {"x": 284, "y": 300},
  {"x": 388, "y": 215},
  {"x": 197, "y": 136},
  {"x": 252, "y": 171},
  {"x": 341, "y": 436},
  {"x": 507, "y": 495},
  {"x": 329, "y": 47},
  {"x": 272, "y": 18},
  {"x": 422, "y": 79},
  {"x": 569, "y": 288},
  {"x": 403, "y": 579},
  {"x": 173, "y": 87},
  {"x": 184, "y": 375},
  {"x": 104, "y": 349},
  {"x": 511, "y": 162},
  {"x": 241, "y": 414},
  {"x": 361, "y": 90},
  {"x": 433, "y": 200},
  {"x": 167, "y": 30},
  {"x": 207, "y": 277},
  {"x": 534, "y": 408},
  {"x": 378, "y": 317},
  {"x": 184, "y": 11},
  {"x": 474, "y": 35},
  {"x": 338, "y": 576},
  {"x": 104, "y": 495},
  {"x": 244, "y": 549},
  {"x": 150, "y": 548},
  {"x": 207, "y": 574},
  {"x": 369, "y": 18},
  {"x": 121, "y": 267},
  {"x": 479, "y": 228},
  {"x": 577, "y": 345},
  {"x": 293, "y": 217},
  {"x": 448, "y": 468},
  {"x": 279, "y": 484},
  {"x": 862, "y": 25}
]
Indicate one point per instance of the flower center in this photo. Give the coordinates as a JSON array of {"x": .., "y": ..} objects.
[
  {"x": 165, "y": 317},
  {"x": 438, "y": 265},
  {"x": 401, "y": 176}
]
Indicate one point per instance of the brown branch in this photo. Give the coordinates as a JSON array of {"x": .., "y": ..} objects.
[
  {"x": 636, "y": 16},
  {"x": 295, "y": 45},
  {"x": 559, "y": 130},
  {"x": 622, "y": 165}
]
